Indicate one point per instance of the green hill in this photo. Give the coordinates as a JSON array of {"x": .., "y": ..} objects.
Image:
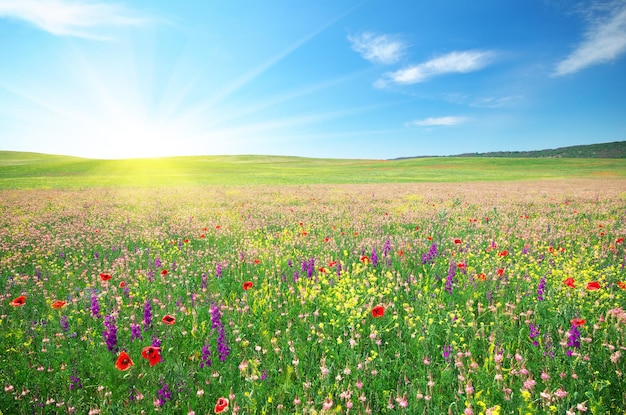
[
  {"x": 32, "y": 170},
  {"x": 616, "y": 149}
]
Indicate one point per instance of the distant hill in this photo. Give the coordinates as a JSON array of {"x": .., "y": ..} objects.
[{"x": 616, "y": 149}]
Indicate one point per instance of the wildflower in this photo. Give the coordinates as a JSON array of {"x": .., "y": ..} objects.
[
  {"x": 216, "y": 323},
  {"x": 569, "y": 282},
  {"x": 58, "y": 304},
  {"x": 430, "y": 255},
  {"x": 152, "y": 354},
  {"x": 221, "y": 405},
  {"x": 450, "y": 278},
  {"x": 541, "y": 288},
  {"x": 123, "y": 284},
  {"x": 378, "y": 311},
  {"x": 64, "y": 323},
  {"x": 19, "y": 301},
  {"x": 374, "y": 257},
  {"x": 135, "y": 332},
  {"x": 457, "y": 242},
  {"x": 123, "y": 361},
  {"x": 365, "y": 259},
  {"x": 105, "y": 277},
  {"x": 164, "y": 272},
  {"x": 164, "y": 395},
  {"x": 593, "y": 285},
  {"x": 206, "y": 357},
  {"x": 147, "y": 315},
  {"x": 169, "y": 320},
  {"x": 75, "y": 382},
  {"x": 574, "y": 337},
  {"x": 247, "y": 285},
  {"x": 95, "y": 306},
  {"x": 110, "y": 333},
  {"x": 578, "y": 322},
  {"x": 622, "y": 285},
  {"x": 503, "y": 253}
]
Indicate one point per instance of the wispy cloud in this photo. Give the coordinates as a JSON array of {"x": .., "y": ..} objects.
[
  {"x": 454, "y": 62},
  {"x": 437, "y": 121},
  {"x": 604, "y": 40},
  {"x": 378, "y": 48},
  {"x": 71, "y": 18}
]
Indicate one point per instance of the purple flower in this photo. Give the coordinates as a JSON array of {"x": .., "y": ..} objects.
[
  {"x": 574, "y": 337},
  {"x": 541, "y": 288},
  {"x": 95, "y": 306},
  {"x": 147, "y": 315},
  {"x": 64, "y": 322},
  {"x": 386, "y": 247},
  {"x": 374, "y": 257},
  {"x": 110, "y": 333},
  {"x": 75, "y": 382},
  {"x": 216, "y": 323},
  {"x": 135, "y": 332},
  {"x": 205, "y": 359},
  {"x": 430, "y": 255},
  {"x": 164, "y": 394},
  {"x": 450, "y": 278},
  {"x": 218, "y": 271},
  {"x": 447, "y": 351}
]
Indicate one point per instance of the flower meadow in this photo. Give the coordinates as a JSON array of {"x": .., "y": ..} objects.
[{"x": 505, "y": 298}]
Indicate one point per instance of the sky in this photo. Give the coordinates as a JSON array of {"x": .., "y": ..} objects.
[{"x": 374, "y": 79}]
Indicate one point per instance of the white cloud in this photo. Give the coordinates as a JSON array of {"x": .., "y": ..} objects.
[
  {"x": 454, "y": 62},
  {"x": 604, "y": 41},
  {"x": 378, "y": 48},
  {"x": 438, "y": 121},
  {"x": 70, "y": 18}
]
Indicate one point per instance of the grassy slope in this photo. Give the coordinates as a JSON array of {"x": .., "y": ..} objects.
[{"x": 31, "y": 170}]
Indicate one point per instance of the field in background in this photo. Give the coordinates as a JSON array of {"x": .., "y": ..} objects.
[{"x": 35, "y": 171}]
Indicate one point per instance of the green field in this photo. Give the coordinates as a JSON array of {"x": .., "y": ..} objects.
[{"x": 36, "y": 171}]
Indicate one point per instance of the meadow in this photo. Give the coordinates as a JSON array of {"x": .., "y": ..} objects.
[{"x": 391, "y": 298}]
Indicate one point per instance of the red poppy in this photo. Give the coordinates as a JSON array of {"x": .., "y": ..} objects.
[
  {"x": 186, "y": 241},
  {"x": 461, "y": 265},
  {"x": 202, "y": 236},
  {"x": 123, "y": 361},
  {"x": 221, "y": 405},
  {"x": 500, "y": 271},
  {"x": 322, "y": 270},
  {"x": 457, "y": 241},
  {"x": 481, "y": 276},
  {"x": 569, "y": 282},
  {"x": 332, "y": 263},
  {"x": 619, "y": 240},
  {"x": 217, "y": 227},
  {"x": 326, "y": 239},
  {"x": 58, "y": 304},
  {"x": 593, "y": 285},
  {"x": 503, "y": 253},
  {"x": 169, "y": 320},
  {"x": 247, "y": 285},
  {"x": 578, "y": 322},
  {"x": 400, "y": 253},
  {"x": 257, "y": 261},
  {"x": 19, "y": 301},
  {"x": 122, "y": 284},
  {"x": 378, "y": 311},
  {"x": 164, "y": 272},
  {"x": 622, "y": 285},
  {"x": 365, "y": 259},
  {"x": 105, "y": 277},
  {"x": 153, "y": 354}
]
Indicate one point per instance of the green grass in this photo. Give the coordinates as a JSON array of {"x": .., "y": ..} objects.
[{"x": 32, "y": 171}]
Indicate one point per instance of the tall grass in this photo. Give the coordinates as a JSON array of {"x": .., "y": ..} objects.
[{"x": 451, "y": 298}]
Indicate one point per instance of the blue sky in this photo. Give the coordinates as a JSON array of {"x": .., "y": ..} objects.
[{"x": 328, "y": 78}]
